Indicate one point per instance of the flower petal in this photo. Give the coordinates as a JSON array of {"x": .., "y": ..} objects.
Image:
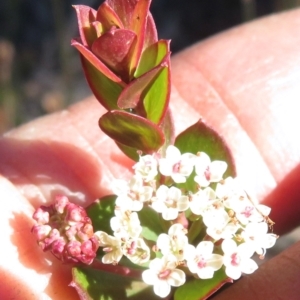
[
  {"x": 162, "y": 288},
  {"x": 176, "y": 278}
]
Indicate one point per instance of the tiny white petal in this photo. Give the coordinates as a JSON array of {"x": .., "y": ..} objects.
[
  {"x": 149, "y": 277},
  {"x": 233, "y": 272},
  {"x": 229, "y": 246},
  {"x": 162, "y": 289},
  {"x": 248, "y": 266},
  {"x": 176, "y": 278},
  {"x": 170, "y": 214},
  {"x": 206, "y": 273},
  {"x": 205, "y": 247}
]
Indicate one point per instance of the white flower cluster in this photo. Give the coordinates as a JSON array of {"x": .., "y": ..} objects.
[{"x": 233, "y": 222}]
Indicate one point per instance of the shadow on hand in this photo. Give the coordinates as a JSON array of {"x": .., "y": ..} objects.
[
  {"x": 32, "y": 257},
  {"x": 42, "y": 169}
]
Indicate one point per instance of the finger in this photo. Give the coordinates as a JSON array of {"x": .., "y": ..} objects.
[
  {"x": 285, "y": 202},
  {"x": 64, "y": 153},
  {"x": 245, "y": 84},
  {"x": 279, "y": 278}
]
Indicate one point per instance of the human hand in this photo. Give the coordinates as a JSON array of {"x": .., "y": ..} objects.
[{"x": 244, "y": 83}]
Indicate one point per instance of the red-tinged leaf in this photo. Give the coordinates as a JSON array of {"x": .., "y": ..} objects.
[
  {"x": 99, "y": 285},
  {"x": 124, "y": 9},
  {"x": 201, "y": 137},
  {"x": 201, "y": 289},
  {"x": 108, "y": 18},
  {"x": 138, "y": 25},
  {"x": 167, "y": 127},
  {"x": 96, "y": 62},
  {"x": 113, "y": 48},
  {"x": 152, "y": 56},
  {"x": 105, "y": 90},
  {"x": 135, "y": 90},
  {"x": 86, "y": 15},
  {"x": 151, "y": 32},
  {"x": 132, "y": 131}
]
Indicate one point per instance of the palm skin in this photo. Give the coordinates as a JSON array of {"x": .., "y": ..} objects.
[{"x": 244, "y": 83}]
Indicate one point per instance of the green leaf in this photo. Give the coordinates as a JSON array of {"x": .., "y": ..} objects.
[
  {"x": 101, "y": 211},
  {"x": 150, "y": 223},
  {"x": 196, "y": 232},
  {"x": 201, "y": 137},
  {"x": 105, "y": 90},
  {"x": 132, "y": 94},
  {"x": 155, "y": 93},
  {"x": 94, "y": 284},
  {"x": 156, "y": 98},
  {"x": 200, "y": 289},
  {"x": 129, "y": 151},
  {"x": 132, "y": 131},
  {"x": 152, "y": 57}
]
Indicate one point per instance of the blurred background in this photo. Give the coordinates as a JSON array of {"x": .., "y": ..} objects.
[{"x": 40, "y": 72}]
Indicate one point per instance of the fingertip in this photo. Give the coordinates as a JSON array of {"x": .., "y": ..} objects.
[{"x": 285, "y": 203}]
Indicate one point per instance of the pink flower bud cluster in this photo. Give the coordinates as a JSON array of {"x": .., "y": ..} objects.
[{"x": 65, "y": 229}]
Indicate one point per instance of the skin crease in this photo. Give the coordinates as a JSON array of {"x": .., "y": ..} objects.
[{"x": 244, "y": 83}]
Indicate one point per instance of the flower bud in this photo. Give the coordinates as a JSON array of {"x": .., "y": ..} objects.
[{"x": 65, "y": 229}]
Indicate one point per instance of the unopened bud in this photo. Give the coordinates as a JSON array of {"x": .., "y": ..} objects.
[{"x": 65, "y": 229}]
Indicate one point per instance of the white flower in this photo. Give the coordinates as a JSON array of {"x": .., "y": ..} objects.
[
  {"x": 219, "y": 224},
  {"x": 257, "y": 237},
  {"x": 132, "y": 195},
  {"x": 176, "y": 165},
  {"x": 202, "y": 261},
  {"x": 112, "y": 246},
  {"x": 247, "y": 212},
  {"x": 201, "y": 201},
  {"x": 120, "y": 187},
  {"x": 174, "y": 242},
  {"x": 137, "y": 251},
  {"x": 208, "y": 171},
  {"x": 237, "y": 259},
  {"x": 215, "y": 215},
  {"x": 225, "y": 232},
  {"x": 236, "y": 198},
  {"x": 162, "y": 274},
  {"x": 125, "y": 224},
  {"x": 169, "y": 202},
  {"x": 146, "y": 167},
  {"x": 230, "y": 191}
]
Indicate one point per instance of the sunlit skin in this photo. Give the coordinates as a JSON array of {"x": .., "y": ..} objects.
[{"x": 244, "y": 83}]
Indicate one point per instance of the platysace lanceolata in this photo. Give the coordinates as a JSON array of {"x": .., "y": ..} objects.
[{"x": 182, "y": 220}]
